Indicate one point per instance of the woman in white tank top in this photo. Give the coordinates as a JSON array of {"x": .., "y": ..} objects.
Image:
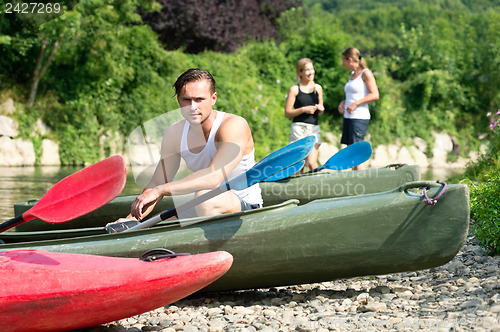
[{"x": 360, "y": 90}]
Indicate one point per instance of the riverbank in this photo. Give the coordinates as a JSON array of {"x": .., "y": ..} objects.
[{"x": 462, "y": 295}]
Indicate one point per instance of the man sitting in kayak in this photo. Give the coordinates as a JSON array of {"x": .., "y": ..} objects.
[{"x": 216, "y": 146}]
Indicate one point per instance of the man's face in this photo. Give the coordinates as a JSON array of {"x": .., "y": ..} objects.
[{"x": 196, "y": 100}]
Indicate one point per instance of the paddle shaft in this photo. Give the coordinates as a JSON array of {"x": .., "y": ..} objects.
[
  {"x": 11, "y": 223},
  {"x": 315, "y": 170}
]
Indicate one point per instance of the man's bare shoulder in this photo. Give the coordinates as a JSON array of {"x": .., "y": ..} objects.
[
  {"x": 235, "y": 129},
  {"x": 172, "y": 137},
  {"x": 176, "y": 128},
  {"x": 232, "y": 125},
  {"x": 234, "y": 122}
]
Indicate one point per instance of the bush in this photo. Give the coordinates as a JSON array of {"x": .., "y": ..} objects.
[
  {"x": 479, "y": 170},
  {"x": 485, "y": 207},
  {"x": 485, "y": 196}
]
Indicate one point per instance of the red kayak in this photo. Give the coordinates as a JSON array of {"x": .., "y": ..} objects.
[{"x": 45, "y": 291}]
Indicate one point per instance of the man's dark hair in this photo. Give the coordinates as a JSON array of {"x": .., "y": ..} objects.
[{"x": 194, "y": 75}]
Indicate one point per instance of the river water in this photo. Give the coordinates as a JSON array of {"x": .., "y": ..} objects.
[{"x": 19, "y": 184}]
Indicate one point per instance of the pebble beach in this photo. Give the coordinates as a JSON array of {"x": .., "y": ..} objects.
[{"x": 462, "y": 295}]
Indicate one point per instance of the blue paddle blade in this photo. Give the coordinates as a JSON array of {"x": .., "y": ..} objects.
[
  {"x": 287, "y": 172},
  {"x": 349, "y": 157},
  {"x": 283, "y": 158}
]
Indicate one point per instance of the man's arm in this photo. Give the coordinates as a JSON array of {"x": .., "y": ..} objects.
[{"x": 165, "y": 171}]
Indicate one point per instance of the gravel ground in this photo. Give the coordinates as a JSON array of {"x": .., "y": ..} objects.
[{"x": 463, "y": 295}]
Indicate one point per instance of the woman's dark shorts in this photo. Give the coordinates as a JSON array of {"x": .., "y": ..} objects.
[{"x": 354, "y": 130}]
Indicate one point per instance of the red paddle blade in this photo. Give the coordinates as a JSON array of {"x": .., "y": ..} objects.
[{"x": 81, "y": 192}]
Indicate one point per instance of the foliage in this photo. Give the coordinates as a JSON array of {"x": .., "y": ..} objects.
[
  {"x": 107, "y": 74},
  {"x": 490, "y": 160},
  {"x": 339, "y": 5},
  {"x": 485, "y": 210},
  {"x": 494, "y": 122},
  {"x": 321, "y": 39},
  {"x": 213, "y": 24},
  {"x": 26, "y": 131},
  {"x": 485, "y": 195}
]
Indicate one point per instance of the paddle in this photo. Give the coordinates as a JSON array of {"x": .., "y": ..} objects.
[
  {"x": 77, "y": 194},
  {"x": 286, "y": 173},
  {"x": 278, "y": 160},
  {"x": 349, "y": 157}
]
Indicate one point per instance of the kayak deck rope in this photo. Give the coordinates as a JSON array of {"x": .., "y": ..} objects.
[
  {"x": 160, "y": 253},
  {"x": 434, "y": 200}
]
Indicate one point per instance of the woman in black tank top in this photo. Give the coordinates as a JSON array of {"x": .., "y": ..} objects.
[
  {"x": 306, "y": 99},
  {"x": 304, "y": 104}
]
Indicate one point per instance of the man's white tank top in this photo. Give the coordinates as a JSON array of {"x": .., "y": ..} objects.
[
  {"x": 201, "y": 160},
  {"x": 355, "y": 90}
]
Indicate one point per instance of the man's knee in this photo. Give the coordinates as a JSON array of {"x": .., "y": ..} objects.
[
  {"x": 224, "y": 203},
  {"x": 206, "y": 209}
]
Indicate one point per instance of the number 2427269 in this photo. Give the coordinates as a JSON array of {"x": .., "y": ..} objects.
[{"x": 32, "y": 8}]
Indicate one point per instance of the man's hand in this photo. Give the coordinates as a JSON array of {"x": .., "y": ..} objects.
[{"x": 144, "y": 201}]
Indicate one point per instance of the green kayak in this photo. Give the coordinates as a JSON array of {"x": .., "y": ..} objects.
[
  {"x": 305, "y": 188},
  {"x": 326, "y": 239}
]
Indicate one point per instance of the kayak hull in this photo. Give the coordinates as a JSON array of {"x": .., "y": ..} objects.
[
  {"x": 44, "y": 291},
  {"x": 305, "y": 188},
  {"x": 327, "y": 239}
]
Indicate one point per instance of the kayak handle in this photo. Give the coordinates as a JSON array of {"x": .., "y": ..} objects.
[
  {"x": 118, "y": 227},
  {"x": 160, "y": 253},
  {"x": 426, "y": 185},
  {"x": 32, "y": 201}
]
